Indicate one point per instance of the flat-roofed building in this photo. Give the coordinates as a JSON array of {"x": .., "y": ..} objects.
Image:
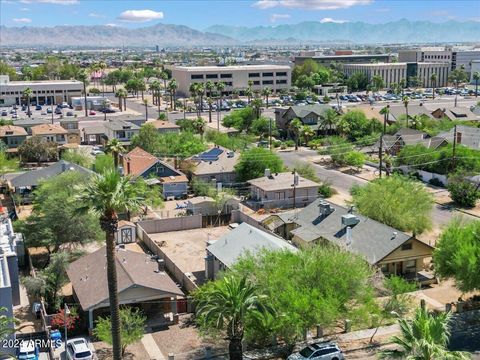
[
  {"x": 395, "y": 72},
  {"x": 275, "y": 77},
  {"x": 344, "y": 59},
  {"x": 43, "y": 92}
]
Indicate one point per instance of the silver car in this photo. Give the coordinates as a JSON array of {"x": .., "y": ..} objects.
[
  {"x": 319, "y": 351},
  {"x": 78, "y": 349}
]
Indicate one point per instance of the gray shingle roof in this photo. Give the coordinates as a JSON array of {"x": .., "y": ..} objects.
[
  {"x": 370, "y": 239},
  {"x": 245, "y": 238},
  {"x": 302, "y": 111},
  {"x": 121, "y": 125},
  {"x": 281, "y": 181},
  {"x": 468, "y": 136},
  {"x": 33, "y": 178}
]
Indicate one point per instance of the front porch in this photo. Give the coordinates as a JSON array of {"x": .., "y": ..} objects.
[{"x": 414, "y": 270}]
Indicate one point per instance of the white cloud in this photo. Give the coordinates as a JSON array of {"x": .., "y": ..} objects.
[
  {"x": 310, "y": 4},
  {"x": 111, "y": 24},
  {"x": 55, "y": 2},
  {"x": 96, "y": 15},
  {"x": 22, "y": 20},
  {"x": 275, "y": 17},
  {"x": 24, "y": 9},
  {"x": 140, "y": 15},
  {"x": 335, "y": 21}
]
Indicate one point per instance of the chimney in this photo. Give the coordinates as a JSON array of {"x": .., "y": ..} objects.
[
  {"x": 267, "y": 173},
  {"x": 161, "y": 265},
  {"x": 349, "y": 236},
  {"x": 128, "y": 166}
]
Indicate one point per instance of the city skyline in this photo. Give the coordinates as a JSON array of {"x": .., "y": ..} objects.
[{"x": 134, "y": 14}]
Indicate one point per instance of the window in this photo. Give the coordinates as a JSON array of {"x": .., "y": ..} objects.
[
  {"x": 281, "y": 81},
  {"x": 253, "y": 75},
  {"x": 212, "y": 76},
  {"x": 228, "y": 83},
  {"x": 267, "y": 82},
  {"x": 267, "y": 74},
  {"x": 256, "y": 83},
  {"x": 282, "y": 73},
  {"x": 407, "y": 246},
  {"x": 310, "y": 120},
  {"x": 226, "y": 76},
  {"x": 196, "y": 76}
]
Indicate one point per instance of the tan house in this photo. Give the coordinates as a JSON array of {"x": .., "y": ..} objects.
[
  {"x": 322, "y": 222},
  {"x": 215, "y": 165},
  {"x": 51, "y": 132},
  {"x": 12, "y": 136},
  {"x": 165, "y": 126},
  {"x": 281, "y": 190}
]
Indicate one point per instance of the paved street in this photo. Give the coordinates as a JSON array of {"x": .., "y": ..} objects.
[{"x": 343, "y": 182}]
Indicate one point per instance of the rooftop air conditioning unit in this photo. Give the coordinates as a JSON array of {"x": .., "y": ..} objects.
[{"x": 350, "y": 220}]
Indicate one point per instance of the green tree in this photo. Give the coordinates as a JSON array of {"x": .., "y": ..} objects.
[
  {"x": 266, "y": 91},
  {"x": 463, "y": 191},
  {"x": 457, "y": 76},
  {"x": 27, "y": 94},
  {"x": 328, "y": 119},
  {"x": 306, "y": 132},
  {"x": 433, "y": 82},
  {"x": 357, "y": 81},
  {"x": 199, "y": 125},
  {"x": 405, "y": 101},
  {"x": 106, "y": 195},
  {"x": 355, "y": 159},
  {"x": 396, "y": 201},
  {"x": 425, "y": 337},
  {"x": 172, "y": 89},
  {"x": 7, "y": 165},
  {"x": 306, "y": 170},
  {"x": 354, "y": 125},
  {"x": 241, "y": 119},
  {"x": 6, "y": 326},
  {"x": 377, "y": 83},
  {"x": 147, "y": 138},
  {"x": 305, "y": 82},
  {"x": 132, "y": 325},
  {"x": 225, "y": 305},
  {"x": 115, "y": 148},
  {"x": 253, "y": 162},
  {"x": 103, "y": 162},
  {"x": 295, "y": 127},
  {"x": 262, "y": 126},
  {"x": 476, "y": 77},
  {"x": 6, "y": 69},
  {"x": 456, "y": 254},
  {"x": 78, "y": 157}
]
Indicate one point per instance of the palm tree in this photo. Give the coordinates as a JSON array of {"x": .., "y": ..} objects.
[
  {"x": 209, "y": 86},
  {"x": 433, "y": 81},
  {"x": 145, "y": 102},
  {"x": 102, "y": 66},
  {"x": 226, "y": 305},
  {"x": 256, "y": 105},
  {"x": 295, "y": 126},
  {"x": 405, "y": 101},
  {"x": 249, "y": 94},
  {"x": 266, "y": 92},
  {"x": 307, "y": 133},
  {"x": 105, "y": 195},
  {"x": 199, "y": 126},
  {"x": 83, "y": 77},
  {"x": 120, "y": 94},
  {"x": 476, "y": 77},
  {"x": 27, "y": 94},
  {"x": 116, "y": 148},
  {"x": 425, "y": 337},
  {"x": 164, "y": 76},
  {"x": 155, "y": 88},
  {"x": 172, "y": 89},
  {"x": 328, "y": 119},
  {"x": 194, "y": 93},
  {"x": 402, "y": 84},
  {"x": 201, "y": 93}
]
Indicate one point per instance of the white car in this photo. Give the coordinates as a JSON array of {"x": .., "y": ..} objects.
[
  {"x": 319, "y": 351},
  {"x": 78, "y": 349},
  {"x": 27, "y": 350}
]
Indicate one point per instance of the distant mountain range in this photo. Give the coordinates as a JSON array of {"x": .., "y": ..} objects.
[{"x": 402, "y": 31}]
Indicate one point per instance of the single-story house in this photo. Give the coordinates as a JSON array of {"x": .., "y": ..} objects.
[
  {"x": 215, "y": 165},
  {"x": 12, "y": 136},
  {"x": 281, "y": 190},
  {"x": 206, "y": 206},
  {"x": 138, "y": 162},
  {"x": 392, "y": 144},
  {"x": 455, "y": 113},
  {"x": 397, "y": 112},
  {"x": 468, "y": 136},
  {"x": 93, "y": 135},
  {"x": 244, "y": 239},
  {"x": 392, "y": 250},
  {"x": 165, "y": 126},
  {"x": 140, "y": 279},
  {"x": 307, "y": 114},
  {"x": 26, "y": 182},
  {"x": 121, "y": 130},
  {"x": 28, "y": 123}
]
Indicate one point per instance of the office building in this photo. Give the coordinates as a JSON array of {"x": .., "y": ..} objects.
[
  {"x": 326, "y": 60},
  {"x": 395, "y": 72},
  {"x": 475, "y": 68},
  {"x": 43, "y": 92},
  {"x": 275, "y": 77},
  {"x": 456, "y": 58}
]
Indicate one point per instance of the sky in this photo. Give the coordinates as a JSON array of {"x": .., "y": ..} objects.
[{"x": 199, "y": 14}]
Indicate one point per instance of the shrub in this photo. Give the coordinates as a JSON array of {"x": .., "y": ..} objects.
[
  {"x": 325, "y": 190},
  {"x": 290, "y": 143},
  {"x": 462, "y": 191}
]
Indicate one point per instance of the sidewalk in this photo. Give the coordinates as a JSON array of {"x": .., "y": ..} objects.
[
  {"x": 367, "y": 333},
  {"x": 151, "y": 347}
]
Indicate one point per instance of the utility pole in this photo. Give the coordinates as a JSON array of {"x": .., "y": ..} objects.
[
  {"x": 66, "y": 312},
  {"x": 380, "y": 150},
  {"x": 295, "y": 183},
  {"x": 454, "y": 147},
  {"x": 270, "y": 134}
]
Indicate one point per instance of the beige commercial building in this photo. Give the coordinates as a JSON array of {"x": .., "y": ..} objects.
[
  {"x": 275, "y": 77},
  {"x": 43, "y": 92},
  {"x": 395, "y": 72}
]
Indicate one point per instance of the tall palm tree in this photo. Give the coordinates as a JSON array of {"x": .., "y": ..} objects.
[
  {"x": 106, "y": 195},
  {"x": 328, "y": 119},
  {"x": 102, "y": 66},
  {"x": 199, "y": 126},
  {"x": 425, "y": 337},
  {"x": 209, "y": 87},
  {"x": 156, "y": 98},
  {"x": 83, "y": 77},
  {"x": 226, "y": 305},
  {"x": 295, "y": 126},
  {"x": 172, "y": 89},
  {"x": 164, "y": 76},
  {"x": 194, "y": 94},
  {"x": 115, "y": 148},
  {"x": 476, "y": 77},
  {"x": 119, "y": 95},
  {"x": 433, "y": 81},
  {"x": 201, "y": 94},
  {"x": 249, "y": 94},
  {"x": 94, "y": 68},
  {"x": 307, "y": 133},
  {"x": 145, "y": 102},
  {"x": 266, "y": 91},
  {"x": 405, "y": 101},
  {"x": 122, "y": 95},
  {"x": 27, "y": 94}
]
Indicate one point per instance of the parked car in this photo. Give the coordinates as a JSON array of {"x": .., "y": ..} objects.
[
  {"x": 58, "y": 111},
  {"x": 28, "y": 113},
  {"x": 64, "y": 105},
  {"x": 69, "y": 113},
  {"x": 27, "y": 350},
  {"x": 78, "y": 349},
  {"x": 38, "y": 107},
  {"x": 49, "y": 110},
  {"x": 4, "y": 113},
  {"x": 24, "y": 107},
  {"x": 319, "y": 351},
  {"x": 92, "y": 112},
  {"x": 109, "y": 111}
]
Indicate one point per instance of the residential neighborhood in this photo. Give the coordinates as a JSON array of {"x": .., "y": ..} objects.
[{"x": 269, "y": 180}]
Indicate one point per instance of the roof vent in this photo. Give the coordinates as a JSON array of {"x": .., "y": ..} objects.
[
  {"x": 230, "y": 154},
  {"x": 325, "y": 208},
  {"x": 267, "y": 173},
  {"x": 350, "y": 220}
]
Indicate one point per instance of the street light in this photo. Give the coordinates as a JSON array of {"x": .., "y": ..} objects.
[{"x": 66, "y": 312}]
